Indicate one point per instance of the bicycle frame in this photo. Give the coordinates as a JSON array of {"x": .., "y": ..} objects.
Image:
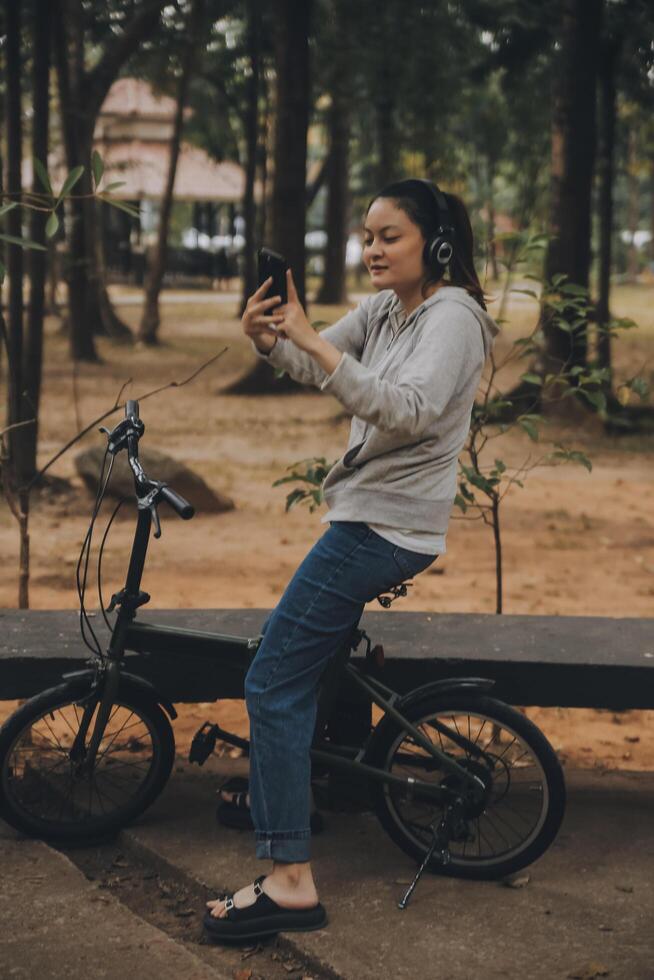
[{"x": 235, "y": 653}]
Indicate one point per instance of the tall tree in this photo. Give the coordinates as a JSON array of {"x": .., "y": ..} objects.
[
  {"x": 609, "y": 55},
  {"x": 293, "y": 95},
  {"x": 573, "y": 157},
  {"x": 82, "y": 90},
  {"x": 33, "y": 348},
  {"x": 288, "y": 205},
  {"x": 251, "y": 126},
  {"x": 149, "y": 325},
  {"x": 14, "y": 130},
  {"x": 340, "y": 54}
]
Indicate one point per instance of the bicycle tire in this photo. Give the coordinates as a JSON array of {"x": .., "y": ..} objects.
[
  {"x": 41, "y": 796},
  {"x": 407, "y": 821}
]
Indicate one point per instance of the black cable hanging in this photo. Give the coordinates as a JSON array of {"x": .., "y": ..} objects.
[
  {"x": 102, "y": 543},
  {"x": 85, "y": 556}
]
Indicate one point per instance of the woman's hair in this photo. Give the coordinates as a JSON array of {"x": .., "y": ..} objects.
[{"x": 419, "y": 204}]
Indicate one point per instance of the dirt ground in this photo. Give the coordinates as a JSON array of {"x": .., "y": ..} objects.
[{"x": 574, "y": 543}]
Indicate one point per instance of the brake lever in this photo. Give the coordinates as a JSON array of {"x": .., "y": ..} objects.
[{"x": 155, "y": 520}]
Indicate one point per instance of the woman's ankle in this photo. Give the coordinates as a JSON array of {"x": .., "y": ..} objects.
[{"x": 296, "y": 875}]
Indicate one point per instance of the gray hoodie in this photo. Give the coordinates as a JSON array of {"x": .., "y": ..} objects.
[{"x": 410, "y": 384}]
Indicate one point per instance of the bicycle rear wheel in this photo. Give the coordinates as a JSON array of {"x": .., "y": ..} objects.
[
  {"x": 524, "y": 798},
  {"x": 43, "y": 793}
]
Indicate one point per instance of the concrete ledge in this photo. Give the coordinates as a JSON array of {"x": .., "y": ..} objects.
[{"x": 569, "y": 661}]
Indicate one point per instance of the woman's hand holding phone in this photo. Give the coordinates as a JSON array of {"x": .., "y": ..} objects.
[
  {"x": 289, "y": 320},
  {"x": 256, "y": 324}
]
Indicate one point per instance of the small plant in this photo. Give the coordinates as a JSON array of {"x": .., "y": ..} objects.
[{"x": 313, "y": 476}]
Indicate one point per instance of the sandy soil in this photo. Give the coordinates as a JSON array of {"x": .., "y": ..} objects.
[{"x": 574, "y": 543}]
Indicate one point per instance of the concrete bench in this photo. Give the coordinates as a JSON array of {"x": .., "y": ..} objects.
[{"x": 569, "y": 661}]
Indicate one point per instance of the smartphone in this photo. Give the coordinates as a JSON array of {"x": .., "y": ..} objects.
[{"x": 272, "y": 264}]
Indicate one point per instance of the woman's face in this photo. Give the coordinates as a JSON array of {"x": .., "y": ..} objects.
[{"x": 393, "y": 247}]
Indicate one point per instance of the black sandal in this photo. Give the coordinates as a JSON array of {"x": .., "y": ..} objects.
[
  {"x": 263, "y": 918},
  {"x": 235, "y": 813}
]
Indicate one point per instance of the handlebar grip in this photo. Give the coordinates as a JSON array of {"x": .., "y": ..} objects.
[
  {"x": 131, "y": 409},
  {"x": 178, "y": 503}
]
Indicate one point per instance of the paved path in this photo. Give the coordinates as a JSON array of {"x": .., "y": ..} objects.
[
  {"x": 589, "y": 904},
  {"x": 590, "y": 898},
  {"x": 56, "y": 925}
]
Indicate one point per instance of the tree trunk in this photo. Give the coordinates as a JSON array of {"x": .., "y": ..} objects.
[
  {"x": 384, "y": 108},
  {"x": 81, "y": 94},
  {"x": 289, "y": 187},
  {"x": 292, "y": 105},
  {"x": 490, "y": 223},
  {"x": 251, "y": 145},
  {"x": 104, "y": 320},
  {"x": 14, "y": 227},
  {"x": 68, "y": 46},
  {"x": 149, "y": 325},
  {"x": 633, "y": 202},
  {"x": 573, "y": 153},
  {"x": 33, "y": 351},
  {"x": 333, "y": 289},
  {"x": 607, "y": 106}
]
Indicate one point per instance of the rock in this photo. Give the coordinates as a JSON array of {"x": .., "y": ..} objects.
[{"x": 158, "y": 466}]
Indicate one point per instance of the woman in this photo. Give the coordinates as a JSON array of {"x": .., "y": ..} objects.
[{"x": 406, "y": 363}]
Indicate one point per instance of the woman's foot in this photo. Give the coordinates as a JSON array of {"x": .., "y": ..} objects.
[
  {"x": 285, "y": 901},
  {"x": 286, "y": 886}
]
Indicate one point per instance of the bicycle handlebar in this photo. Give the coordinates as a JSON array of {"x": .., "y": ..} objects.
[
  {"x": 179, "y": 504},
  {"x": 131, "y": 409}
]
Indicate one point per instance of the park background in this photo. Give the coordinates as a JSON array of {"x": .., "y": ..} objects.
[{"x": 205, "y": 129}]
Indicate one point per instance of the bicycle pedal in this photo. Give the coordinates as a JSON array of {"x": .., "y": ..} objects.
[{"x": 203, "y": 744}]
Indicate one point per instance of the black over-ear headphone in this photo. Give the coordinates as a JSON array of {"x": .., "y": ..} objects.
[{"x": 439, "y": 249}]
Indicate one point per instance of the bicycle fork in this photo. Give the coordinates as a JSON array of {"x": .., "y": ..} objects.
[{"x": 84, "y": 757}]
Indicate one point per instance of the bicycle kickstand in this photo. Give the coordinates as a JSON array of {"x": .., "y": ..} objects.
[{"x": 439, "y": 844}]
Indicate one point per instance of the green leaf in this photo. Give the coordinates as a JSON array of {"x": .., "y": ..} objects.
[
  {"x": 460, "y": 502},
  {"x": 572, "y": 456},
  {"x": 639, "y": 386},
  {"x": 70, "y": 182},
  {"x": 596, "y": 398},
  {"x": 23, "y": 242},
  {"x": 8, "y": 207},
  {"x": 52, "y": 225},
  {"x": 127, "y": 208},
  {"x": 534, "y": 379},
  {"x": 529, "y": 428},
  {"x": 526, "y": 292},
  {"x": 42, "y": 174},
  {"x": 97, "y": 167},
  {"x": 114, "y": 186},
  {"x": 294, "y": 497}
]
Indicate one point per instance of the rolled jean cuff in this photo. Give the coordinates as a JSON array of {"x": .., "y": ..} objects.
[{"x": 291, "y": 846}]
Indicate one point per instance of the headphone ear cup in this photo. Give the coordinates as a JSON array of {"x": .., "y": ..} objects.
[{"x": 438, "y": 251}]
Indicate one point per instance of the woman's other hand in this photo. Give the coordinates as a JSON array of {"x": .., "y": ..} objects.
[
  {"x": 256, "y": 325},
  {"x": 293, "y": 323}
]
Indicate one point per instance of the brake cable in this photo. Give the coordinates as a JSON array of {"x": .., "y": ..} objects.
[
  {"x": 84, "y": 557},
  {"x": 102, "y": 543}
]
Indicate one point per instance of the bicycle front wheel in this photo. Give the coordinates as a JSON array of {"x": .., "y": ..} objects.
[
  {"x": 44, "y": 793},
  {"x": 524, "y": 799}
]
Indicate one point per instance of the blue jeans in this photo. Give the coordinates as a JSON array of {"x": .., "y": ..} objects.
[{"x": 322, "y": 604}]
